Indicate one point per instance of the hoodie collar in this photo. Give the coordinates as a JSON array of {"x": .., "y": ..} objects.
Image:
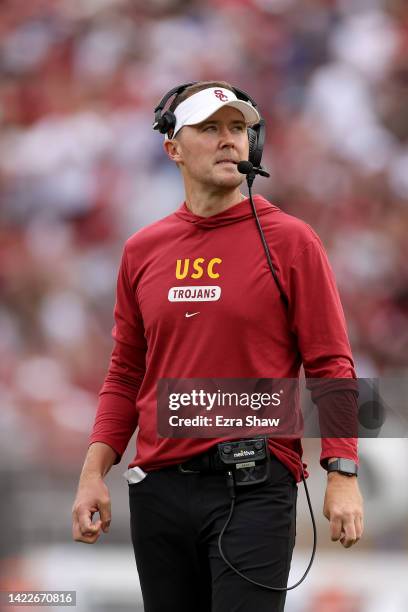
[{"x": 233, "y": 214}]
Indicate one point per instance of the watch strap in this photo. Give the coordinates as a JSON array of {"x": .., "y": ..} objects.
[{"x": 344, "y": 466}]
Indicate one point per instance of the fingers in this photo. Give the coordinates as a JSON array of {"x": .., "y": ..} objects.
[
  {"x": 348, "y": 537},
  {"x": 105, "y": 514},
  {"x": 335, "y": 528},
  {"x": 359, "y": 527},
  {"x": 88, "y": 537},
  {"x": 83, "y": 529},
  {"x": 346, "y": 529}
]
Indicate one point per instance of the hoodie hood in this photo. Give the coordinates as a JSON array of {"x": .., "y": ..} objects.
[{"x": 233, "y": 214}]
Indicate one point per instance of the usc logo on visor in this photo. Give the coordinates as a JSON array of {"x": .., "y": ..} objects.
[{"x": 218, "y": 93}]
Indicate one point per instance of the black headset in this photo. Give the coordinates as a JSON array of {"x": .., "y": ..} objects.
[{"x": 167, "y": 121}]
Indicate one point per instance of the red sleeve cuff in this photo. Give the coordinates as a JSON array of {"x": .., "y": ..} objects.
[{"x": 342, "y": 448}]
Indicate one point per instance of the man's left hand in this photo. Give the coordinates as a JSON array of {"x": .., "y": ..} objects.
[{"x": 343, "y": 507}]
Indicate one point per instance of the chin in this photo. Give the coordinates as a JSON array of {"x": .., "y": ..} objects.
[{"x": 228, "y": 182}]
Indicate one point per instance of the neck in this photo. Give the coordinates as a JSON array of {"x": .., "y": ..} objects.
[{"x": 207, "y": 203}]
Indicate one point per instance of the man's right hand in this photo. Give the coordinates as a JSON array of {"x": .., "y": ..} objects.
[{"x": 92, "y": 496}]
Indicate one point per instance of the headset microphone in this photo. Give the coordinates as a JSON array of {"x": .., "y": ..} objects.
[{"x": 246, "y": 167}]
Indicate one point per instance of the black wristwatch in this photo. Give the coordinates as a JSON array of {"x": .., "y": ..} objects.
[{"x": 344, "y": 466}]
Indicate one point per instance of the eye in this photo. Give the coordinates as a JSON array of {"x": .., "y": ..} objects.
[
  {"x": 239, "y": 128},
  {"x": 209, "y": 128}
]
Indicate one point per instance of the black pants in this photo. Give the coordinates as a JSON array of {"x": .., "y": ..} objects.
[{"x": 175, "y": 522}]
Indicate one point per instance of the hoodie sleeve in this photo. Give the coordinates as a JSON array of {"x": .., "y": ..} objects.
[
  {"x": 317, "y": 319},
  {"x": 116, "y": 417}
]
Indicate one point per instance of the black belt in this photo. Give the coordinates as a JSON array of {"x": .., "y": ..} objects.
[
  {"x": 209, "y": 463},
  {"x": 206, "y": 463}
]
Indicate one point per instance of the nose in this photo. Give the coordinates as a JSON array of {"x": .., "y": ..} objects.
[{"x": 226, "y": 137}]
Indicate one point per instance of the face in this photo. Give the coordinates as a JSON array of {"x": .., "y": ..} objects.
[{"x": 208, "y": 152}]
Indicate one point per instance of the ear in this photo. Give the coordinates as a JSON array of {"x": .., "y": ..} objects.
[{"x": 173, "y": 150}]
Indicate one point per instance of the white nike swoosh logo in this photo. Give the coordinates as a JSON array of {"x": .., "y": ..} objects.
[{"x": 191, "y": 314}]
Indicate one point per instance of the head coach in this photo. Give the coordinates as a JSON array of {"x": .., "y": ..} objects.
[{"x": 250, "y": 325}]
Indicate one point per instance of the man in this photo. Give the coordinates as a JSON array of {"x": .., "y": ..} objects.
[{"x": 241, "y": 330}]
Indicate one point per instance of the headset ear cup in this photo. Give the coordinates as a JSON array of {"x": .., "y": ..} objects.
[
  {"x": 256, "y": 137},
  {"x": 252, "y": 139},
  {"x": 167, "y": 122}
]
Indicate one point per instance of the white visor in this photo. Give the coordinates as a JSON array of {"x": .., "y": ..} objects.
[{"x": 200, "y": 106}]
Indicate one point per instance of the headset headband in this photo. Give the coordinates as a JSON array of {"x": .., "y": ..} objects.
[{"x": 240, "y": 93}]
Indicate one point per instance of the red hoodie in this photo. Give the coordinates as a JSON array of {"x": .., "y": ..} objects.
[{"x": 243, "y": 331}]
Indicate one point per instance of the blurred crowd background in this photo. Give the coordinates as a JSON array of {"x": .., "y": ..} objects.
[{"x": 81, "y": 170}]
